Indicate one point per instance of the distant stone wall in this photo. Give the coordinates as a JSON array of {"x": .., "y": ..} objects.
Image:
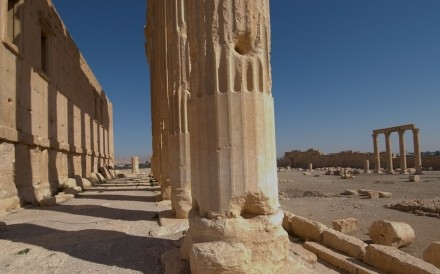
[
  {"x": 55, "y": 120},
  {"x": 353, "y": 159}
]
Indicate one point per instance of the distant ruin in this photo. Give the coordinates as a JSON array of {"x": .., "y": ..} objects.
[
  {"x": 353, "y": 159},
  {"x": 55, "y": 120}
]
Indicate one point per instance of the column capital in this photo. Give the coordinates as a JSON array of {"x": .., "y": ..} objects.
[
  {"x": 401, "y": 132},
  {"x": 416, "y": 130}
]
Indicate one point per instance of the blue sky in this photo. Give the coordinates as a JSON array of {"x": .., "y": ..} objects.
[{"x": 340, "y": 69}]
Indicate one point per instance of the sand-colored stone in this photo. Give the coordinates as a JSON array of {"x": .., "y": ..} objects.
[
  {"x": 135, "y": 165},
  {"x": 307, "y": 229},
  {"x": 432, "y": 254},
  {"x": 215, "y": 84},
  {"x": 396, "y": 234},
  {"x": 384, "y": 194},
  {"x": 346, "y": 225},
  {"x": 104, "y": 172},
  {"x": 414, "y": 178},
  {"x": 346, "y": 244},
  {"x": 338, "y": 260},
  {"x": 55, "y": 119},
  {"x": 391, "y": 260}
]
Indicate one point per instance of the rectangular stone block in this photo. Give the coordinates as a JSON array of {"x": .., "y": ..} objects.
[
  {"x": 391, "y": 260},
  {"x": 346, "y": 244},
  {"x": 338, "y": 260},
  {"x": 307, "y": 229}
]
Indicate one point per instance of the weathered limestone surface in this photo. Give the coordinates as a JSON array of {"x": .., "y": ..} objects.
[
  {"x": 346, "y": 244},
  {"x": 396, "y": 234},
  {"x": 347, "y": 225},
  {"x": 432, "y": 254},
  {"x": 55, "y": 119},
  {"x": 211, "y": 79},
  {"x": 307, "y": 229},
  {"x": 135, "y": 165},
  {"x": 394, "y": 261}
]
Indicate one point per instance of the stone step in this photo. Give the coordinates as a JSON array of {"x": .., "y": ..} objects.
[{"x": 343, "y": 262}]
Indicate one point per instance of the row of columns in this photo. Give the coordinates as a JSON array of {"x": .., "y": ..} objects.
[
  {"x": 213, "y": 130},
  {"x": 402, "y": 148}
]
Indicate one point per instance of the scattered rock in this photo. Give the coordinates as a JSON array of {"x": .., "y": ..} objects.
[
  {"x": 347, "y": 225},
  {"x": 395, "y": 234},
  {"x": 373, "y": 195},
  {"x": 307, "y": 173},
  {"x": 350, "y": 192},
  {"x": 69, "y": 183},
  {"x": 383, "y": 194},
  {"x": 73, "y": 190},
  {"x": 414, "y": 178}
]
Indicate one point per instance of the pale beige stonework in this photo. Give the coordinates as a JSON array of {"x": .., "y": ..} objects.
[
  {"x": 402, "y": 148},
  {"x": 432, "y": 254},
  {"x": 55, "y": 119},
  {"x": 396, "y": 234},
  {"x": 211, "y": 99},
  {"x": 135, "y": 165}
]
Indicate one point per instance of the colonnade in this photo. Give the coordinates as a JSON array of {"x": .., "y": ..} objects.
[
  {"x": 402, "y": 147},
  {"x": 213, "y": 130}
]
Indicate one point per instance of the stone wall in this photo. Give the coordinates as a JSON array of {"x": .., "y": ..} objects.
[
  {"x": 55, "y": 119},
  {"x": 353, "y": 159}
]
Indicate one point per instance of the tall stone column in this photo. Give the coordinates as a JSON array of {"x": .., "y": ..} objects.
[
  {"x": 377, "y": 168},
  {"x": 135, "y": 165},
  {"x": 389, "y": 153},
  {"x": 156, "y": 49},
  {"x": 417, "y": 154},
  {"x": 367, "y": 166},
  {"x": 402, "y": 147},
  {"x": 178, "y": 82},
  {"x": 236, "y": 221},
  {"x": 310, "y": 167}
]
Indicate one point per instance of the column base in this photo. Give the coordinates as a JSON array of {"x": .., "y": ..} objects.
[
  {"x": 249, "y": 244},
  {"x": 182, "y": 202}
]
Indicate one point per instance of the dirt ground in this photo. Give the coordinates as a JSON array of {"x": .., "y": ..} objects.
[{"x": 318, "y": 198}]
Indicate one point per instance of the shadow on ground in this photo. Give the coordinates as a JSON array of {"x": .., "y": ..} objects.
[{"x": 98, "y": 246}]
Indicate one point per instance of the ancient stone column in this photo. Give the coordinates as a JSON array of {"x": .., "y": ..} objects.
[
  {"x": 135, "y": 165},
  {"x": 403, "y": 167},
  {"x": 367, "y": 166},
  {"x": 417, "y": 154},
  {"x": 310, "y": 167},
  {"x": 236, "y": 221},
  {"x": 389, "y": 153},
  {"x": 178, "y": 82},
  {"x": 376, "y": 154},
  {"x": 156, "y": 48}
]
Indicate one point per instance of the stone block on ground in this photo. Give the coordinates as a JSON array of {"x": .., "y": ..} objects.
[
  {"x": 307, "y": 229},
  {"x": 396, "y": 234},
  {"x": 350, "y": 192},
  {"x": 104, "y": 172},
  {"x": 373, "y": 195},
  {"x": 346, "y": 225},
  {"x": 346, "y": 244},
  {"x": 338, "y": 260},
  {"x": 414, "y": 178},
  {"x": 220, "y": 257},
  {"x": 69, "y": 183},
  {"x": 73, "y": 190},
  {"x": 391, "y": 260},
  {"x": 287, "y": 221},
  {"x": 303, "y": 253},
  {"x": 432, "y": 254},
  {"x": 50, "y": 201},
  {"x": 96, "y": 178},
  {"x": 383, "y": 194}
]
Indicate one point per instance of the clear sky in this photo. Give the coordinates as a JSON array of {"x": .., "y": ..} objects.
[{"x": 340, "y": 69}]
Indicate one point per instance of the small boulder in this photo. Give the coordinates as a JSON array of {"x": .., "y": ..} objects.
[
  {"x": 346, "y": 226},
  {"x": 396, "y": 234},
  {"x": 350, "y": 192},
  {"x": 414, "y": 178},
  {"x": 383, "y": 194},
  {"x": 373, "y": 195}
]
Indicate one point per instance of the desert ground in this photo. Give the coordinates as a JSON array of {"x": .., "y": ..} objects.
[
  {"x": 117, "y": 227},
  {"x": 319, "y": 199}
]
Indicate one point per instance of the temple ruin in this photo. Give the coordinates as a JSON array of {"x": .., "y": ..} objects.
[
  {"x": 55, "y": 120},
  {"x": 212, "y": 107},
  {"x": 389, "y": 154}
]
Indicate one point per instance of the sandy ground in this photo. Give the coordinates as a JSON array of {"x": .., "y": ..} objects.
[
  {"x": 326, "y": 209},
  {"x": 107, "y": 229}
]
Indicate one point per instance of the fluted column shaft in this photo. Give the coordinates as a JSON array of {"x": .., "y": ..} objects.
[
  {"x": 376, "y": 154},
  {"x": 417, "y": 154},
  {"x": 389, "y": 153},
  {"x": 402, "y": 147}
]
